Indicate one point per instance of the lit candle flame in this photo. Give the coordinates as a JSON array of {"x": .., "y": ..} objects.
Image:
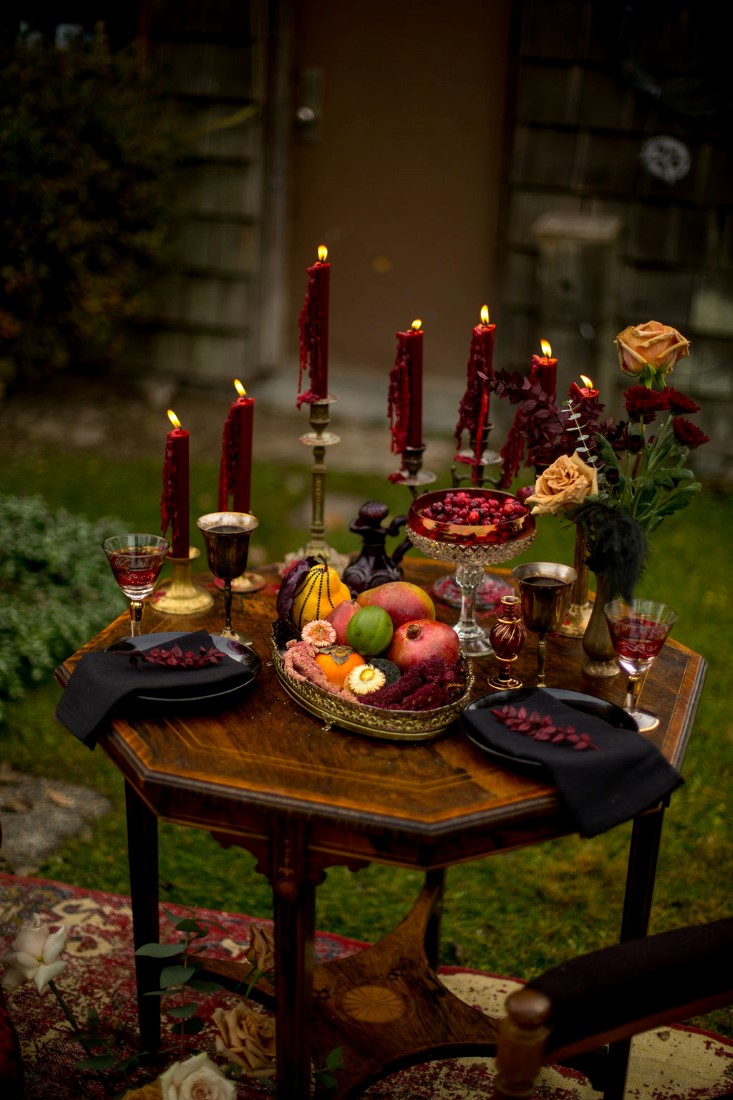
[
  {"x": 546, "y": 348},
  {"x": 416, "y": 325},
  {"x": 322, "y": 253},
  {"x": 239, "y": 388},
  {"x": 484, "y": 315},
  {"x": 174, "y": 419},
  {"x": 587, "y": 382}
]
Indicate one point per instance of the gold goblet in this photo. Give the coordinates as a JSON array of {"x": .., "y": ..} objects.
[
  {"x": 226, "y": 535},
  {"x": 544, "y": 588}
]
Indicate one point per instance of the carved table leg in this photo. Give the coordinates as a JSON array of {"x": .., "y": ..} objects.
[
  {"x": 142, "y": 851},
  {"x": 294, "y": 910},
  {"x": 435, "y": 883}
]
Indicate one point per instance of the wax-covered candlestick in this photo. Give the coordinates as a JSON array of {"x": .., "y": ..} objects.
[
  {"x": 174, "y": 504},
  {"x": 235, "y": 469},
  {"x": 473, "y": 411},
  {"x": 544, "y": 367},
  {"x": 313, "y": 325},
  {"x": 405, "y": 390}
]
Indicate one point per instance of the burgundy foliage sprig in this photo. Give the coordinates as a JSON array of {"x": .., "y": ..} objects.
[
  {"x": 542, "y": 728},
  {"x": 175, "y": 657}
]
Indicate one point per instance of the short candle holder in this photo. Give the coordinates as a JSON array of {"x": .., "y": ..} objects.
[
  {"x": 411, "y": 472},
  {"x": 179, "y": 595},
  {"x": 319, "y": 438}
]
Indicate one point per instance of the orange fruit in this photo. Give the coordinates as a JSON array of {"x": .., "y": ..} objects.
[{"x": 337, "y": 662}]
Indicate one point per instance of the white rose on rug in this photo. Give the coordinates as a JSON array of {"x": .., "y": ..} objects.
[
  {"x": 198, "y": 1078},
  {"x": 33, "y": 956}
]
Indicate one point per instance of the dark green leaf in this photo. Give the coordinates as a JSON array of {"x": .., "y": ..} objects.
[
  {"x": 205, "y": 987},
  {"x": 182, "y": 1012},
  {"x": 189, "y": 1027},
  {"x": 160, "y": 950},
  {"x": 175, "y": 975},
  {"x": 97, "y": 1061}
]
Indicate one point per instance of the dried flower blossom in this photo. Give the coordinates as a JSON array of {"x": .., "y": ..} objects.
[
  {"x": 365, "y": 679},
  {"x": 319, "y": 633},
  {"x": 260, "y": 951}
]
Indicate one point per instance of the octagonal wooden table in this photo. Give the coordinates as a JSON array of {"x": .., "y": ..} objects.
[{"x": 265, "y": 775}]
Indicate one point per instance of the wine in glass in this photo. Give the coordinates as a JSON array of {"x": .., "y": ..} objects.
[
  {"x": 639, "y": 629},
  {"x": 136, "y": 561},
  {"x": 226, "y": 535},
  {"x": 544, "y": 589}
]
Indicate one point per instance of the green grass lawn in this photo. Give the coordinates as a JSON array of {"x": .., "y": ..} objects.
[{"x": 516, "y": 914}]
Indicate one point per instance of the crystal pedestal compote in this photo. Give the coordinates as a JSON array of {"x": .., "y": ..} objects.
[
  {"x": 487, "y": 528},
  {"x": 136, "y": 561},
  {"x": 639, "y": 629},
  {"x": 227, "y": 536}
]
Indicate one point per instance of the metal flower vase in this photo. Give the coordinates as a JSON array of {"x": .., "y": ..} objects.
[{"x": 597, "y": 644}]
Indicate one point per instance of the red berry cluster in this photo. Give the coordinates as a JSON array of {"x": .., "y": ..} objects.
[{"x": 471, "y": 509}]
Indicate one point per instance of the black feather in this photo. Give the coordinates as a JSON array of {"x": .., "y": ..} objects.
[{"x": 617, "y": 545}]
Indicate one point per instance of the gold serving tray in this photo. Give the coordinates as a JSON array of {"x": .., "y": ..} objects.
[{"x": 386, "y": 725}]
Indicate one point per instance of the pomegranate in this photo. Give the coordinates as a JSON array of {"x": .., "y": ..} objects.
[{"x": 420, "y": 639}]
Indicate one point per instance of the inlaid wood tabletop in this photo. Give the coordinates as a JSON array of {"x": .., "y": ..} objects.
[{"x": 263, "y": 773}]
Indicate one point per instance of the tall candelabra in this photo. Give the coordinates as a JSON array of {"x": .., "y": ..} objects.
[{"x": 467, "y": 461}]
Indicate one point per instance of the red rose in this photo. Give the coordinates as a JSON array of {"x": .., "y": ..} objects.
[
  {"x": 679, "y": 402},
  {"x": 644, "y": 404},
  {"x": 688, "y": 434}
]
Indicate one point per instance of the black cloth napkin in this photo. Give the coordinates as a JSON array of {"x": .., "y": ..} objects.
[
  {"x": 102, "y": 683},
  {"x": 600, "y": 787}
]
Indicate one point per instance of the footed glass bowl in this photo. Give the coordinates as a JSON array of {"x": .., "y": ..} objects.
[{"x": 470, "y": 546}]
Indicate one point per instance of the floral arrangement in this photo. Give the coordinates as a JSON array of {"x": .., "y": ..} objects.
[
  {"x": 624, "y": 478},
  {"x": 244, "y": 1038}
]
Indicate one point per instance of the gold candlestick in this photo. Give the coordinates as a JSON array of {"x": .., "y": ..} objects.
[
  {"x": 319, "y": 439},
  {"x": 411, "y": 472},
  {"x": 467, "y": 458},
  {"x": 179, "y": 596},
  {"x": 579, "y": 609}
]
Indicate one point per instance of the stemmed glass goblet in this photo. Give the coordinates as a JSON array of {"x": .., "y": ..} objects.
[
  {"x": 470, "y": 546},
  {"x": 544, "y": 589},
  {"x": 638, "y": 629},
  {"x": 136, "y": 561},
  {"x": 226, "y": 535}
]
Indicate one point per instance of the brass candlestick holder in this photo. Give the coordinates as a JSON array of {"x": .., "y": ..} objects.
[
  {"x": 411, "y": 472},
  {"x": 179, "y": 595},
  {"x": 319, "y": 438},
  {"x": 467, "y": 461}
]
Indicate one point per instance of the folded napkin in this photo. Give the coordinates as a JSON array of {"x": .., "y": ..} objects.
[
  {"x": 102, "y": 682},
  {"x": 614, "y": 777}
]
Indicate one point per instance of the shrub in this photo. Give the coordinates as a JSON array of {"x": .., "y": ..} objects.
[
  {"x": 88, "y": 152},
  {"x": 56, "y": 589}
]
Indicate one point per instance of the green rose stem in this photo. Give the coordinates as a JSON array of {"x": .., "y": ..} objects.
[{"x": 70, "y": 1017}]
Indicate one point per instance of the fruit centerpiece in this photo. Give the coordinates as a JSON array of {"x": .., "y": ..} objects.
[
  {"x": 379, "y": 662},
  {"x": 472, "y": 528}
]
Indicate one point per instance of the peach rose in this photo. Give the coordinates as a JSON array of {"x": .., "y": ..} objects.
[
  {"x": 247, "y": 1038},
  {"x": 566, "y": 482},
  {"x": 260, "y": 953},
  {"x": 652, "y": 348}
]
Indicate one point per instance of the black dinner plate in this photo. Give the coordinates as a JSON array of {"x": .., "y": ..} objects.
[
  {"x": 238, "y": 652},
  {"x": 587, "y": 704}
]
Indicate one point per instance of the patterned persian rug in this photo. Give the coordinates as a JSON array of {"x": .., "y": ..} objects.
[{"x": 671, "y": 1063}]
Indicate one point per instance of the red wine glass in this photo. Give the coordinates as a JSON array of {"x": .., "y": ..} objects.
[
  {"x": 227, "y": 535},
  {"x": 136, "y": 561},
  {"x": 639, "y": 629}
]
